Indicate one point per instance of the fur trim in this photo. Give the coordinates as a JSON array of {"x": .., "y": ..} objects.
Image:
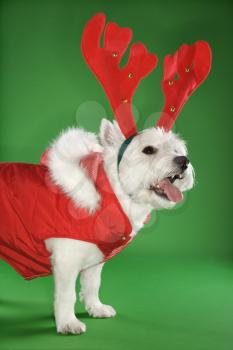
[{"x": 63, "y": 162}]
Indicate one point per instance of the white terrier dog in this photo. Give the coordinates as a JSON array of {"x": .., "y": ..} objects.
[
  {"x": 90, "y": 196},
  {"x": 151, "y": 160}
]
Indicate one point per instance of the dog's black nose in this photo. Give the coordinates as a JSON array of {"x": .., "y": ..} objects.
[{"x": 182, "y": 161}]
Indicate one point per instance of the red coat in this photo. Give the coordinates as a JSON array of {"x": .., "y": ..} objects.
[{"x": 32, "y": 209}]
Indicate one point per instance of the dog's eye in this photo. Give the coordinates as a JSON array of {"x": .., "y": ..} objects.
[{"x": 149, "y": 150}]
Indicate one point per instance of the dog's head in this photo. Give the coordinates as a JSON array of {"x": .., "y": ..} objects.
[{"x": 154, "y": 169}]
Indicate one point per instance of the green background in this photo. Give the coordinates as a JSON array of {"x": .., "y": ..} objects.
[{"x": 173, "y": 286}]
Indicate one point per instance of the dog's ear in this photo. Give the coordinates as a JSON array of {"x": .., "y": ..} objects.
[{"x": 110, "y": 133}]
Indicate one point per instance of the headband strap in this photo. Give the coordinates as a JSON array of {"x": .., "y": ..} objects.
[{"x": 123, "y": 147}]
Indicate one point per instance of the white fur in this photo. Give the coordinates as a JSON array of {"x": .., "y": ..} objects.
[
  {"x": 63, "y": 161},
  {"x": 131, "y": 186},
  {"x": 69, "y": 258}
]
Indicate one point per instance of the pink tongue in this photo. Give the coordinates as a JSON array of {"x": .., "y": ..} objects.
[{"x": 171, "y": 191}]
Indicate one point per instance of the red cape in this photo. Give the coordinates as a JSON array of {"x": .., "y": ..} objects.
[{"x": 32, "y": 210}]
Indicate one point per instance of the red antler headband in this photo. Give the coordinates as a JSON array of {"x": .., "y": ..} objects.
[
  {"x": 183, "y": 72},
  {"x": 118, "y": 83}
]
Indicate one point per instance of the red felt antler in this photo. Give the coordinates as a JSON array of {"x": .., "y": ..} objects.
[
  {"x": 119, "y": 83},
  {"x": 183, "y": 73}
]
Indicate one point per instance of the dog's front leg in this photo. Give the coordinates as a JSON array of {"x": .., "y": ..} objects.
[
  {"x": 90, "y": 283},
  {"x": 65, "y": 275}
]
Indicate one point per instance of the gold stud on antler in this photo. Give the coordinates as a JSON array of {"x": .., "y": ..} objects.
[
  {"x": 172, "y": 109},
  {"x": 114, "y": 54},
  {"x": 125, "y": 100},
  {"x": 130, "y": 75},
  {"x": 187, "y": 70},
  {"x": 170, "y": 82}
]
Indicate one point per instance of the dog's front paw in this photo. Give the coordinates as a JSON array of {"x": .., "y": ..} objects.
[
  {"x": 101, "y": 311},
  {"x": 74, "y": 327}
]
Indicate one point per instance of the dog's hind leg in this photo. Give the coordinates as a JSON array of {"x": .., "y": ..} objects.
[
  {"x": 90, "y": 283},
  {"x": 65, "y": 275}
]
